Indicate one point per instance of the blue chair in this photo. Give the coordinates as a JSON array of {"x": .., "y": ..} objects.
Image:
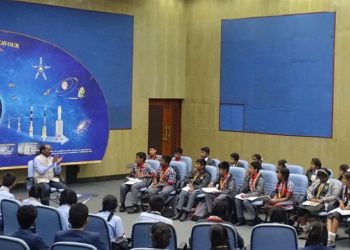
[
  {"x": 200, "y": 235},
  {"x": 188, "y": 161},
  {"x": 7, "y": 242},
  {"x": 217, "y": 162},
  {"x": 9, "y": 210},
  {"x": 180, "y": 169},
  {"x": 141, "y": 236},
  {"x": 273, "y": 236},
  {"x": 65, "y": 245},
  {"x": 300, "y": 187},
  {"x": 154, "y": 164},
  {"x": 238, "y": 174},
  {"x": 268, "y": 166},
  {"x": 99, "y": 225},
  {"x": 47, "y": 223},
  {"x": 244, "y": 163},
  {"x": 295, "y": 169},
  {"x": 214, "y": 174},
  {"x": 270, "y": 181}
]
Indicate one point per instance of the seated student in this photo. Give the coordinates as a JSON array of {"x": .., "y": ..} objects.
[
  {"x": 142, "y": 171},
  {"x": 177, "y": 154},
  {"x": 164, "y": 181},
  {"x": 315, "y": 165},
  {"x": 200, "y": 178},
  {"x": 78, "y": 216},
  {"x": 234, "y": 162},
  {"x": 281, "y": 164},
  {"x": 34, "y": 196},
  {"x": 68, "y": 197},
  {"x": 257, "y": 157},
  {"x": 8, "y": 182},
  {"x": 26, "y": 216},
  {"x": 334, "y": 219},
  {"x": 114, "y": 222},
  {"x": 324, "y": 191},
  {"x": 317, "y": 237},
  {"x": 343, "y": 168},
  {"x": 226, "y": 184},
  {"x": 46, "y": 169},
  {"x": 253, "y": 186},
  {"x": 204, "y": 154},
  {"x": 219, "y": 237},
  {"x": 161, "y": 235},
  {"x": 217, "y": 215},
  {"x": 153, "y": 154},
  {"x": 156, "y": 204}
]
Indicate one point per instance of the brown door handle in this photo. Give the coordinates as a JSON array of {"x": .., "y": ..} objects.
[{"x": 165, "y": 133}]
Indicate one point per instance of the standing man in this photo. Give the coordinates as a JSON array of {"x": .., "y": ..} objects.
[
  {"x": 46, "y": 171},
  {"x": 143, "y": 173}
]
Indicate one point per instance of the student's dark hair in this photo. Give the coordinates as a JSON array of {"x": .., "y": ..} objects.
[
  {"x": 224, "y": 165},
  {"x": 42, "y": 148},
  {"x": 202, "y": 162},
  {"x": 317, "y": 162},
  {"x": 206, "y": 149},
  {"x": 68, "y": 196},
  {"x": 344, "y": 167},
  {"x": 235, "y": 156},
  {"x": 153, "y": 148},
  {"x": 178, "y": 150},
  {"x": 78, "y": 214},
  {"x": 156, "y": 203},
  {"x": 346, "y": 175},
  {"x": 219, "y": 208},
  {"x": 282, "y": 163},
  {"x": 219, "y": 236},
  {"x": 141, "y": 155},
  {"x": 285, "y": 174},
  {"x": 323, "y": 172},
  {"x": 167, "y": 159},
  {"x": 317, "y": 234},
  {"x": 257, "y": 156},
  {"x": 161, "y": 235},
  {"x": 256, "y": 165},
  {"x": 35, "y": 191},
  {"x": 26, "y": 216},
  {"x": 109, "y": 204},
  {"x": 8, "y": 179}
]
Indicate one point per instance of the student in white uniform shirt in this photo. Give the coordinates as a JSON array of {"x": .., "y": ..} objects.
[
  {"x": 68, "y": 198},
  {"x": 34, "y": 196},
  {"x": 156, "y": 204},
  {"x": 115, "y": 223},
  {"x": 8, "y": 182}
]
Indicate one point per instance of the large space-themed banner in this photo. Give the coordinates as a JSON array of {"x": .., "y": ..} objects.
[{"x": 47, "y": 96}]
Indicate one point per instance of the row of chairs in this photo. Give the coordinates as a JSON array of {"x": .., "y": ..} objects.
[
  {"x": 200, "y": 239},
  {"x": 48, "y": 230}
]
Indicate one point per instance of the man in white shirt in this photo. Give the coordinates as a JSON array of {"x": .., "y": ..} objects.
[
  {"x": 8, "y": 182},
  {"x": 46, "y": 169},
  {"x": 156, "y": 204}
]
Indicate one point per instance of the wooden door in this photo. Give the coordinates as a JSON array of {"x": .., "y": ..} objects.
[{"x": 164, "y": 124}]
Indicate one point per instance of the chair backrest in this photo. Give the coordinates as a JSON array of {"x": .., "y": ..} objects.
[
  {"x": 244, "y": 163},
  {"x": 214, "y": 173},
  {"x": 270, "y": 179},
  {"x": 9, "y": 210},
  {"x": 217, "y": 162},
  {"x": 268, "y": 166},
  {"x": 300, "y": 187},
  {"x": 65, "y": 245},
  {"x": 188, "y": 161},
  {"x": 264, "y": 237},
  {"x": 7, "y": 242},
  {"x": 200, "y": 238},
  {"x": 99, "y": 225},
  {"x": 180, "y": 169},
  {"x": 155, "y": 164},
  {"x": 48, "y": 223},
  {"x": 141, "y": 236},
  {"x": 238, "y": 174},
  {"x": 295, "y": 169}
]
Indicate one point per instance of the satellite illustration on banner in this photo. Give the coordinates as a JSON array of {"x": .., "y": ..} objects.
[{"x": 47, "y": 96}]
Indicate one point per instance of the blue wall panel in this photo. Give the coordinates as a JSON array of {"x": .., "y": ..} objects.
[
  {"x": 280, "y": 70},
  {"x": 102, "y": 42}
]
